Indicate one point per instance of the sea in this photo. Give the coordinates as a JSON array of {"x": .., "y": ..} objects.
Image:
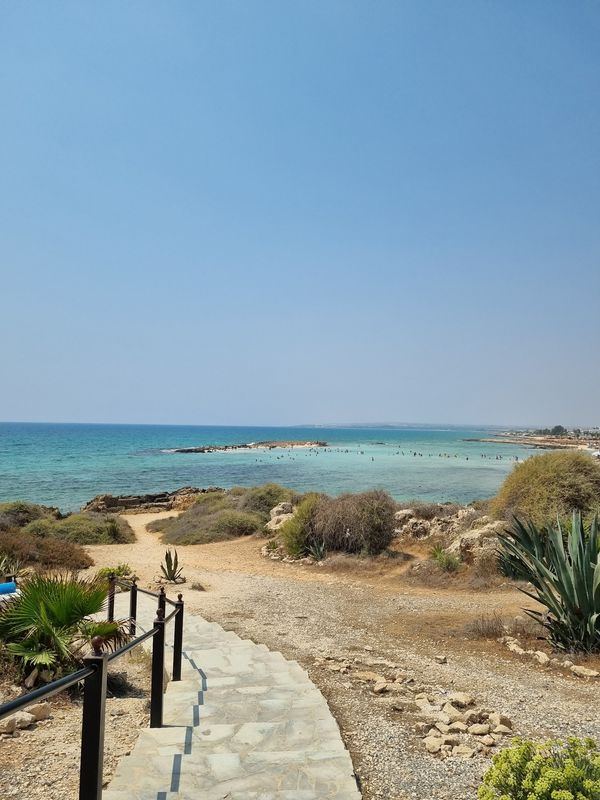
[{"x": 65, "y": 465}]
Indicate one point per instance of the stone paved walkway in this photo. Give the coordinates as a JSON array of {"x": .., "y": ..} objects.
[{"x": 242, "y": 724}]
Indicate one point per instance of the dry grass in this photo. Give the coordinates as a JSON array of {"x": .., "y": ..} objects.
[{"x": 485, "y": 626}]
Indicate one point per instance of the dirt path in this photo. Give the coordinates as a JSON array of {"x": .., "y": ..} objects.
[{"x": 335, "y": 623}]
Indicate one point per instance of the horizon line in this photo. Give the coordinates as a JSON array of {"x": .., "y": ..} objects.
[{"x": 382, "y": 424}]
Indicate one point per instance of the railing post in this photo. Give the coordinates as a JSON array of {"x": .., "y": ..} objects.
[
  {"x": 133, "y": 606},
  {"x": 178, "y": 639},
  {"x": 92, "y": 726},
  {"x": 112, "y": 579},
  {"x": 158, "y": 670},
  {"x": 162, "y": 598}
]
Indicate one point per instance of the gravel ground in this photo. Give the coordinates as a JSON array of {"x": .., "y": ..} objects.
[
  {"x": 43, "y": 761},
  {"x": 340, "y": 623}
]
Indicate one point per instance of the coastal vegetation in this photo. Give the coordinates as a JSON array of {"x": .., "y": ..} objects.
[
  {"x": 88, "y": 528},
  {"x": 447, "y": 562},
  {"x": 544, "y": 771},
  {"x": 18, "y": 513},
  {"x": 41, "y": 537},
  {"x": 351, "y": 523},
  {"x": 550, "y": 486},
  {"x": 564, "y": 569},
  {"x": 222, "y": 514},
  {"x": 40, "y": 552},
  {"x": 119, "y": 571},
  {"x": 49, "y": 624},
  {"x": 171, "y": 569}
]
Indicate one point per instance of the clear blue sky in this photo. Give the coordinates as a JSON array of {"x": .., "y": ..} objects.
[{"x": 279, "y": 212}]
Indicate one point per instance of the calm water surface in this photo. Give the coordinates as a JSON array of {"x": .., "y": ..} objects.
[{"x": 66, "y": 465}]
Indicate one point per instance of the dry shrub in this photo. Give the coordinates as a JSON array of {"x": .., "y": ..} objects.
[
  {"x": 88, "y": 528},
  {"x": 19, "y": 513},
  {"x": 356, "y": 523},
  {"x": 486, "y": 626},
  {"x": 261, "y": 499},
  {"x": 238, "y": 523},
  {"x": 37, "y": 551},
  {"x": 352, "y": 523},
  {"x": 428, "y": 511},
  {"x": 224, "y": 514}
]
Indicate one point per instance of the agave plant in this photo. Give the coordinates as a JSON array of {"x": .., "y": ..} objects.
[
  {"x": 171, "y": 569},
  {"x": 564, "y": 569},
  {"x": 50, "y": 623},
  {"x": 10, "y": 566}
]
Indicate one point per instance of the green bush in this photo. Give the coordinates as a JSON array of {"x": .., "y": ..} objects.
[
  {"x": 45, "y": 553},
  {"x": 262, "y": 499},
  {"x": 50, "y": 623},
  {"x": 352, "y": 523},
  {"x": 238, "y": 523},
  {"x": 299, "y": 532},
  {"x": 547, "y": 771},
  {"x": 565, "y": 572},
  {"x": 19, "y": 513},
  {"x": 445, "y": 561},
  {"x": 120, "y": 571},
  {"x": 88, "y": 528},
  {"x": 548, "y": 486},
  {"x": 220, "y": 515}
]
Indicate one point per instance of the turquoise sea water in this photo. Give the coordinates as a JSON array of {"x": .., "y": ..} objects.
[{"x": 66, "y": 465}]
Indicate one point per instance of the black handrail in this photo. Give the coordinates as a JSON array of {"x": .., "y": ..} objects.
[
  {"x": 130, "y": 645},
  {"x": 94, "y": 674},
  {"x": 50, "y": 689}
]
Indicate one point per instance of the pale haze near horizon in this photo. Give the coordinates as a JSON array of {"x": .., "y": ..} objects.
[{"x": 280, "y": 213}]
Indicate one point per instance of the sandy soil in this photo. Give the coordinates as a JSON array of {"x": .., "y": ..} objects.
[{"x": 340, "y": 619}]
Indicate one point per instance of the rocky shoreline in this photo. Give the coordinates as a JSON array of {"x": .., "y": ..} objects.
[
  {"x": 270, "y": 445},
  {"x": 179, "y": 500},
  {"x": 538, "y": 442}
]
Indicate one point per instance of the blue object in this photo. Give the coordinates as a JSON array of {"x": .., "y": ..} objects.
[{"x": 8, "y": 588}]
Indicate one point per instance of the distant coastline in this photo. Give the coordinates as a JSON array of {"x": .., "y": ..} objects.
[{"x": 540, "y": 442}]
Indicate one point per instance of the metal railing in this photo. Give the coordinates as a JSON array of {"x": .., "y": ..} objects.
[{"x": 94, "y": 674}]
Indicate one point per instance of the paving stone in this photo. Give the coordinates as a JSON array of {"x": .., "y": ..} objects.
[{"x": 243, "y": 723}]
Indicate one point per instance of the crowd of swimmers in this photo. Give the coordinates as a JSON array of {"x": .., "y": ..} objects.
[{"x": 314, "y": 451}]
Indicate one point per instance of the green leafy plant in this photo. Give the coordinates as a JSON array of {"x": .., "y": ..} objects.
[
  {"x": 10, "y": 565},
  {"x": 445, "y": 561},
  {"x": 565, "y": 572},
  {"x": 544, "y": 771},
  {"x": 316, "y": 549},
  {"x": 50, "y": 623},
  {"x": 298, "y": 531},
  {"x": 120, "y": 571},
  {"x": 170, "y": 568}
]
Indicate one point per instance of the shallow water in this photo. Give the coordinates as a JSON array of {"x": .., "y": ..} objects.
[{"x": 66, "y": 465}]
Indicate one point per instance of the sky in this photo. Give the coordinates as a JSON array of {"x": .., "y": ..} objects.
[{"x": 266, "y": 212}]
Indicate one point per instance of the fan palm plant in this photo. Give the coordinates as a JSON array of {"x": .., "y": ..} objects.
[
  {"x": 564, "y": 568},
  {"x": 50, "y": 623}
]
